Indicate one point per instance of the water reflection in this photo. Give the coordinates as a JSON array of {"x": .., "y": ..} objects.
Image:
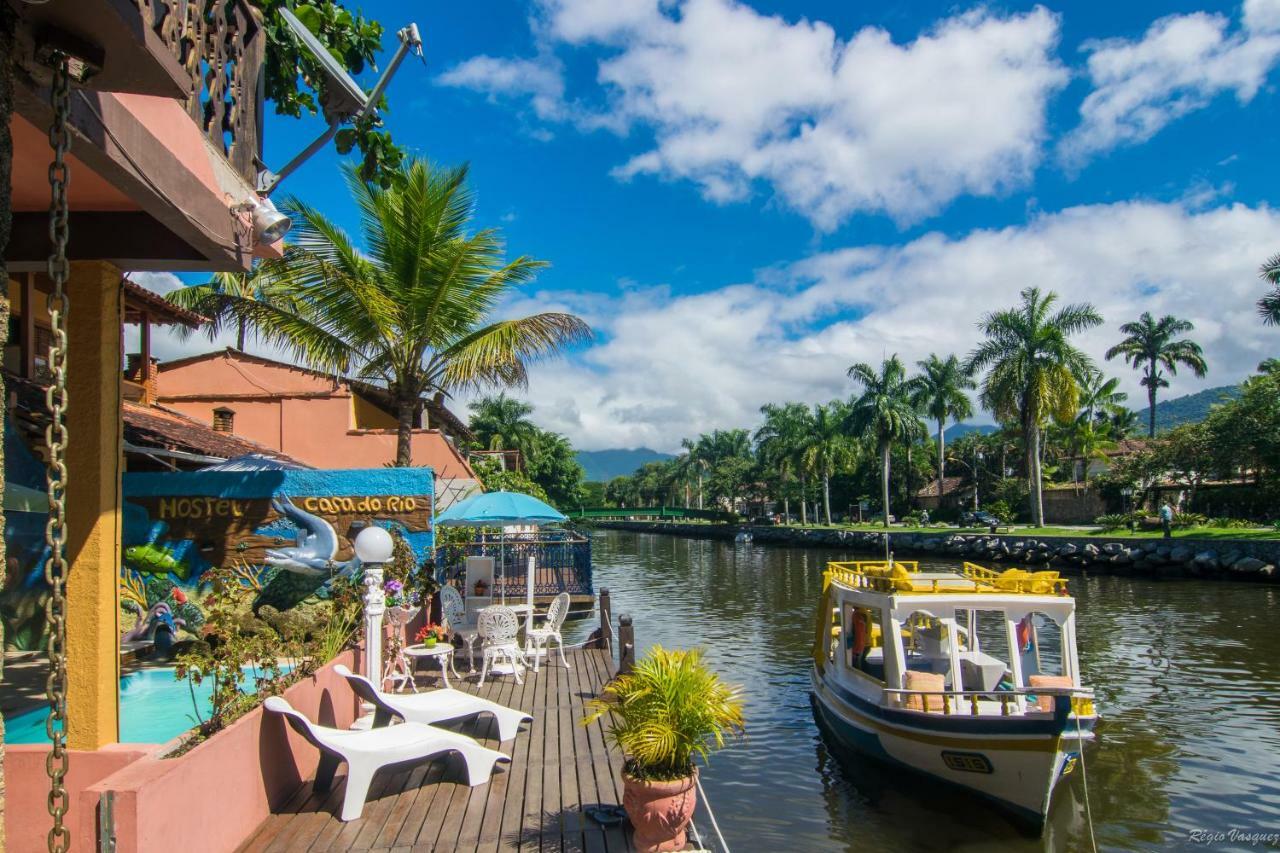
[{"x": 1184, "y": 671}]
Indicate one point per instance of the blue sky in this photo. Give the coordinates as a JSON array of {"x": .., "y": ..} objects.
[{"x": 745, "y": 198}]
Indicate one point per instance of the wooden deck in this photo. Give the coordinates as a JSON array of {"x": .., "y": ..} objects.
[{"x": 558, "y": 768}]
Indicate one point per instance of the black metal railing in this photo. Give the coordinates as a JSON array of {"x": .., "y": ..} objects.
[{"x": 562, "y": 563}]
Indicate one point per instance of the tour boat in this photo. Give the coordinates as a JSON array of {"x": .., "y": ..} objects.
[{"x": 969, "y": 676}]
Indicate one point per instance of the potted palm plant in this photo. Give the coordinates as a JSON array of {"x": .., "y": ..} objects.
[{"x": 663, "y": 714}]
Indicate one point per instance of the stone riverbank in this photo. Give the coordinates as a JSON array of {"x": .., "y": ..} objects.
[{"x": 1218, "y": 558}]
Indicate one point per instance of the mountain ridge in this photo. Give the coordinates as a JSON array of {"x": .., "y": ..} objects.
[{"x": 603, "y": 465}]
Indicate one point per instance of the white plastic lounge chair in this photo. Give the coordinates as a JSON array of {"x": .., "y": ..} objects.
[
  {"x": 498, "y": 627},
  {"x": 435, "y": 706},
  {"x": 365, "y": 752},
  {"x": 540, "y": 637}
]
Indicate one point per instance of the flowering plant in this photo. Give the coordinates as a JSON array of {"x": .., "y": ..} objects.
[
  {"x": 398, "y": 595},
  {"x": 430, "y": 631}
]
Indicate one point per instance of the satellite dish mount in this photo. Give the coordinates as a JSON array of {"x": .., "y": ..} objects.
[{"x": 346, "y": 101}]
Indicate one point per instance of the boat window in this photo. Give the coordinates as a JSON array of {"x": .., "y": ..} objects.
[
  {"x": 926, "y": 644},
  {"x": 984, "y": 650},
  {"x": 1040, "y": 646},
  {"x": 864, "y": 641}
]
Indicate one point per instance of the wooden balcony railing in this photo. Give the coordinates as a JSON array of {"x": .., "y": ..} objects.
[{"x": 220, "y": 44}]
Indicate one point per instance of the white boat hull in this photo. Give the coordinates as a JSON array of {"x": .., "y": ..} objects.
[{"x": 1016, "y": 763}]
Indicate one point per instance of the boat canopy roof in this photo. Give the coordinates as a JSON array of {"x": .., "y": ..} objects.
[{"x": 972, "y": 585}]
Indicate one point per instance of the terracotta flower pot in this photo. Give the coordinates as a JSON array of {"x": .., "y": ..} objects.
[{"x": 659, "y": 811}]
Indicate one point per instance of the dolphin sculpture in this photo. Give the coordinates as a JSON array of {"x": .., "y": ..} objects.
[{"x": 316, "y": 543}]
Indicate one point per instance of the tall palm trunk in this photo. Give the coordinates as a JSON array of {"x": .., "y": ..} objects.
[
  {"x": 884, "y": 479},
  {"x": 242, "y": 330},
  {"x": 786, "y": 497},
  {"x": 1151, "y": 402},
  {"x": 804, "y": 494},
  {"x": 1034, "y": 483},
  {"x": 942, "y": 461},
  {"x": 699, "y": 488},
  {"x": 826, "y": 496},
  {"x": 404, "y": 431}
]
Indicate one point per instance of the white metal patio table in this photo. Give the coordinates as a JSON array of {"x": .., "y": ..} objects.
[{"x": 442, "y": 652}]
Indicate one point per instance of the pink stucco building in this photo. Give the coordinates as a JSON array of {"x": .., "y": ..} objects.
[{"x": 319, "y": 419}]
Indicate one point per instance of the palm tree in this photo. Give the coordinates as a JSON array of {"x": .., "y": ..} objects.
[
  {"x": 502, "y": 423},
  {"x": 1121, "y": 422},
  {"x": 216, "y": 299},
  {"x": 939, "y": 392},
  {"x": 1269, "y": 305},
  {"x": 1156, "y": 344},
  {"x": 1089, "y": 442},
  {"x": 1031, "y": 371},
  {"x": 1099, "y": 397},
  {"x": 411, "y": 309},
  {"x": 695, "y": 457},
  {"x": 883, "y": 413},
  {"x": 778, "y": 441},
  {"x": 828, "y": 448}
]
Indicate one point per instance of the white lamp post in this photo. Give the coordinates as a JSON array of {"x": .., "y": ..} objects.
[{"x": 373, "y": 548}]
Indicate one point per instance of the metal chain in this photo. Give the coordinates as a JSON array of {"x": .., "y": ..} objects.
[{"x": 55, "y": 534}]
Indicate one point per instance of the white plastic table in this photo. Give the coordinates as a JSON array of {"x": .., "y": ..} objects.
[{"x": 442, "y": 651}]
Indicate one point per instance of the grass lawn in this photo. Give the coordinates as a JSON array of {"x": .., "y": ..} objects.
[{"x": 1255, "y": 533}]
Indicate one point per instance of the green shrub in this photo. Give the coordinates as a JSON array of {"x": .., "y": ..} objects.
[
  {"x": 666, "y": 711},
  {"x": 1229, "y": 523}
]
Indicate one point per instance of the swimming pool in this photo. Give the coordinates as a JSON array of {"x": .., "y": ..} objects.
[{"x": 154, "y": 708}]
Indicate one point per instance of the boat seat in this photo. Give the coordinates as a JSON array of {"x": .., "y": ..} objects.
[
  {"x": 913, "y": 680},
  {"x": 1045, "y": 703}
]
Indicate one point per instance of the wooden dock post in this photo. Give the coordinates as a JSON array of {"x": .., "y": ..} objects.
[
  {"x": 626, "y": 644},
  {"x": 606, "y": 625}
]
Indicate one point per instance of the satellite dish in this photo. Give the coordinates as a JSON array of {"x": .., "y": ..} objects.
[
  {"x": 345, "y": 100},
  {"x": 346, "y": 97}
]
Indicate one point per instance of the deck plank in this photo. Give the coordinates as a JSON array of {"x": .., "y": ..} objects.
[{"x": 537, "y": 803}]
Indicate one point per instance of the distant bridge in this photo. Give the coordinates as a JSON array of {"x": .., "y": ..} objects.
[{"x": 673, "y": 512}]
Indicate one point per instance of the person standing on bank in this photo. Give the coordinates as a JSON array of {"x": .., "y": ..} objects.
[{"x": 1166, "y": 519}]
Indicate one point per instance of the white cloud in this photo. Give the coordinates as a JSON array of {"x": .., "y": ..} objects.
[
  {"x": 1181, "y": 64},
  {"x": 734, "y": 98},
  {"x": 670, "y": 366},
  {"x": 166, "y": 344},
  {"x": 539, "y": 79}
]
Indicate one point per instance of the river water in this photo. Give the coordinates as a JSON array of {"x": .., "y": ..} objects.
[{"x": 1187, "y": 675}]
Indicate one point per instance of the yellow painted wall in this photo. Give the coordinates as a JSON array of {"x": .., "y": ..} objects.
[
  {"x": 94, "y": 463},
  {"x": 365, "y": 415}
]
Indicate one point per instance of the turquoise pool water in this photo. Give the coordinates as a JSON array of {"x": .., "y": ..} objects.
[{"x": 154, "y": 708}]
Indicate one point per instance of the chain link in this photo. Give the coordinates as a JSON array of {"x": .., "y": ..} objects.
[{"x": 55, "y": 570}]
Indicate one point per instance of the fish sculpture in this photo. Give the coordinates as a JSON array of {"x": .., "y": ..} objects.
[
  {"x": 155, "y": 560},
  {"x": 314, "y": 547}
]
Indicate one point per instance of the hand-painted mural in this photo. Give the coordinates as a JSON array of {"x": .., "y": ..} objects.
[
  {"x": 286, "y": 533},
  {"x": 23, "y": 592}
]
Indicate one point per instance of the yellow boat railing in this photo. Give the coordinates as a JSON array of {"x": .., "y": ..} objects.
[{"x": 901, "y": 576}]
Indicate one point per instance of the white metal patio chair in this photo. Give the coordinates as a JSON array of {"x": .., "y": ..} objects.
[
  {"x": 541, "y": 636},
  {"x": 454, "y": 610},
  {"x": 434, "y": 706},
  {"x": 365, "y": 752},
  {"x": 498, "y": 626}
]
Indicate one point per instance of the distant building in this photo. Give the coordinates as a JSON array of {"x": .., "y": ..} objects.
[
  {"x": 954, "y": 494},
  {"x": 321, "y": 420},
  {"x": 1125, "y": 447}
]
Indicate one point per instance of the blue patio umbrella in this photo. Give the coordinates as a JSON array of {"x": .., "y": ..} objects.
[
  {"x": 495, "y": 509},
  {"x": 498, "y": 509}
]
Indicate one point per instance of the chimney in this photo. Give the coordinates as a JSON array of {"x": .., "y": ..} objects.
[{"x": 224, "y": 419}]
